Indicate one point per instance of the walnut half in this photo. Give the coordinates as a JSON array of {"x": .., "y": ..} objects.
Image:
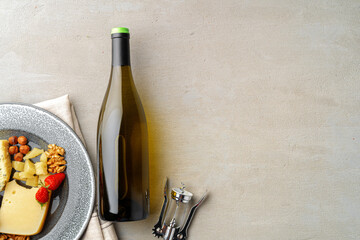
[
  {"x": 13, "y": 237},
  {"x": 56, "y": 162}
]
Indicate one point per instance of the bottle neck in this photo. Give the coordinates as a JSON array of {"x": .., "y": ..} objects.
[{"x": 120, "y": 51}]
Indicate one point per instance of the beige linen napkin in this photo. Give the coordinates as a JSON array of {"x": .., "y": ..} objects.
[{"x": 62, "y": 107}]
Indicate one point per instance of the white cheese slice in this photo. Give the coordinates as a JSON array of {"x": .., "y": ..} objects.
[
  {"x": 20, "y": 213},
  {"x": 5, "y": 164}
]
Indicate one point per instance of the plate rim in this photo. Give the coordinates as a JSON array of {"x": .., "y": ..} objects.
[{"x": 92, "y": 177}]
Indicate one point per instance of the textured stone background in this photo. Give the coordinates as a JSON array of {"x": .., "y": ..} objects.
[{"x": 258, "y": 101}]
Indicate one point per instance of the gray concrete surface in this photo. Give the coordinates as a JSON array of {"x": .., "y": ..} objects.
[{"x": 258, "y": 101}]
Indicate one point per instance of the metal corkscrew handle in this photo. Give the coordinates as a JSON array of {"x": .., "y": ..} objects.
[
  {"x": 183, "y": 233},
  {"x": 157, "y": 227}
]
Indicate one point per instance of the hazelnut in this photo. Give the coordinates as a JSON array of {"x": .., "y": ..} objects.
[
  {"x": 13, "y": 150},
  {"x": 22, "y": 140},
  {"x": 18, "y": 157},
  {"x": 24, "y": 149},
  {"x": 13, "y": 140}
]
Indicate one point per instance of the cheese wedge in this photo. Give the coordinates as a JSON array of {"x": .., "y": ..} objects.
[
  {"x": 20, "y": 213},
  {"x": 5, "y": 164}
]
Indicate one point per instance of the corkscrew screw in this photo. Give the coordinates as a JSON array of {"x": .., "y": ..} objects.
[{"x": 172, "y": 224}]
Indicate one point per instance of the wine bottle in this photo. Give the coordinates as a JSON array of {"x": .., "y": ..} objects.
[{"x": 122, "y": 142}]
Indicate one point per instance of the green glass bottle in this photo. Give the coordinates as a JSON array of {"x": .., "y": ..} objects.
[{"x": 122, "y": 142}]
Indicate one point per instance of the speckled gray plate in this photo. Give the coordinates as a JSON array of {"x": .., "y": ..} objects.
[{"x": 73, "y": 203}]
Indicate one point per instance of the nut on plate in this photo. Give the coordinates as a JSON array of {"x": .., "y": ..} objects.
[
  {"x": 56, "y": 162},
  {"x": 13, "y": 140},
  {"x": 18, "y": 157},
  {"x": 13, "y": 237},
  {"x": 13, "y": 150},
  {"x": 22, "y": 140},
  {"x": 24, "y": 149},
  {"x": 53, "y": 149}
]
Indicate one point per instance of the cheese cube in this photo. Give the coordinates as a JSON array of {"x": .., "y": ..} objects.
[
  {"x": 33, "y": 182},
  {"x": 29, "y": 167},
  {"x": 33, "y": 153},
  {"x": 41, "y": 168},
  {"x": 25, "y": 175},
  {"x": 18, "y": 166},
  {"x": 43, "y": 158},
  {"x": 17, "y": 176}
]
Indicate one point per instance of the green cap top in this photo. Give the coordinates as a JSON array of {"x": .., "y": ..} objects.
[{"x": 119, "y": 30}]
